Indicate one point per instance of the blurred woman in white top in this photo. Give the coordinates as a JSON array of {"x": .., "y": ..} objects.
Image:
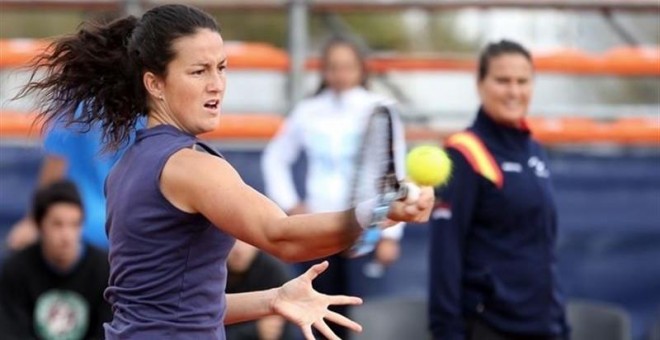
[{"x": 328, "y": 127}]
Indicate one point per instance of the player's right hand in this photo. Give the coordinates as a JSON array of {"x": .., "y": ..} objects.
[
  {"x": 298, "y": 209},
  {"x": 413, "y": 209}
]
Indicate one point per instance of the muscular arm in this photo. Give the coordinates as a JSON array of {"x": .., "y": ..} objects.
[
  {"x": 215, "y": 189},
  {"x": 200, "y": 183}
]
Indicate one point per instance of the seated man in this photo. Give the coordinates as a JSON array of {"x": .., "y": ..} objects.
[
  {"x": 250, "y": 269},
  {"x": 54, "y": 288}
]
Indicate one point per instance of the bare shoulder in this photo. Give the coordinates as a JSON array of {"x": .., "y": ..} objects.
[
  {"x": 188, "y": 173},
  {"x": 191, "y": 162}
]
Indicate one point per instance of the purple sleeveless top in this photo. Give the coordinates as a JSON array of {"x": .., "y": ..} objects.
[{"x": 167, "y": 267}]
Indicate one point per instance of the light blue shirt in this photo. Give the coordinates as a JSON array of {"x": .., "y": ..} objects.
[{"x": 87, "y": 167}]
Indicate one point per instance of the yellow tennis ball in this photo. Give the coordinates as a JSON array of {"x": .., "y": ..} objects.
[{"x": 428, "y": 165}]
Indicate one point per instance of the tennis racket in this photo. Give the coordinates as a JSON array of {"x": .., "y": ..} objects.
[{"x": 375, "y": 179}]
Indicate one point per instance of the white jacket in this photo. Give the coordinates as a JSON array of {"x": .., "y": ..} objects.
[{"x": 328, "y": 127}]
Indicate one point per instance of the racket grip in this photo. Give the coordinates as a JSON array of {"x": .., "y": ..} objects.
[{"x": 364, "y": 212}]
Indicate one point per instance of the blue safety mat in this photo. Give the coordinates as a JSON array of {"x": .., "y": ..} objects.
[{"x": 609, "y": 246}]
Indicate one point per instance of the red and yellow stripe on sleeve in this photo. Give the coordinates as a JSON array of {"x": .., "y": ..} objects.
[{"x": 476, "y": 153}]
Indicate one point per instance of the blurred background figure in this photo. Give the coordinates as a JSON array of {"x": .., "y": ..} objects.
[
  {"x": 250, "y": 269},
  {"x": 492, "y": 260},
  {"x": 78, "y": 155},
  {"x": 53, "y": 289},
  {"x": 327, "y": 127}
]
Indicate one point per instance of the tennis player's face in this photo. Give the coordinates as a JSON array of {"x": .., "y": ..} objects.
[
  {"x": 195, "y": 83},
  {"x": 507, "y": 88},
  {"x": 342, "y": 69},
  {"x": 60, "y": 234}
]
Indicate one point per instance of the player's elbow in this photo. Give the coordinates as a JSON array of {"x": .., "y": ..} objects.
[
  {"x": 280, "y": 245},
  {"x": 290, "y": 242},
  {"x": 288, "y": 252}
]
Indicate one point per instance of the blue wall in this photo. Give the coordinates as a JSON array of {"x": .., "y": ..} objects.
[{"x": 609, "y": 203}]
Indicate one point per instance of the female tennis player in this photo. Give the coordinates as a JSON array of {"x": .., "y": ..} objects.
[{"x": 173, "y": 210}]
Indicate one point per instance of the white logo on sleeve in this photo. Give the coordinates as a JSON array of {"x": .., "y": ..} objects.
[
  {"x": 539, "y": 167},
  {"x": 511, "y": 167}
]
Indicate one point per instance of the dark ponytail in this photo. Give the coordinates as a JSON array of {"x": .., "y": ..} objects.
[
  {"x": 92, "y": 68},
  {"x": 100, "y": 68}
]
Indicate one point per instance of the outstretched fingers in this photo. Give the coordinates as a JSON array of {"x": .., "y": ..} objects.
[
  {"x": 325, "y": 330},
  {"x": 307, "y": 332},
  {"x": 316, "y": 270},
  {"x": 343, "y": 321},
  {"x": 344, "y": 300}
]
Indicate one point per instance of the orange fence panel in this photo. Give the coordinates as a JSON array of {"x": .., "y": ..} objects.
[
  {"x": 262, "y": 127},
  {"x": 16, "y": 53},
  {"x": 632, "y": 60},
  {"x": 569, "y": 61},
  {"x": 634, "y": 129},
  {"x": 623, "y": 61},
  {"x": 14, "y": 124},
  {"x": 256, "y": 56},
  {"x": 251, "y": 127}
]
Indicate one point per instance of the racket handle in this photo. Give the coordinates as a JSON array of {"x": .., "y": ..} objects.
[
  {"x": 364, "y": 212},
  {"x": 366, "y": 243}
]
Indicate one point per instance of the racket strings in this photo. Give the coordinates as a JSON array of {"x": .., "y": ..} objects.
[{"x": 374, "y": 163}]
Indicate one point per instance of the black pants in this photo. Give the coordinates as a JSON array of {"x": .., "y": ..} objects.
[
  {"x": 332, "y": 282},
  {"x": 478, "y": 330}
]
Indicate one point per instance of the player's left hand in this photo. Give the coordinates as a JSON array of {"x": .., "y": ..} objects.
[
  {"x": 299, "y": 303},
  {"x": 413, "y": 209}
]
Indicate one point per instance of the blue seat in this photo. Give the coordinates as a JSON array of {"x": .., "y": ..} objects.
[
  {"x": 597, "y": 320},
  {"x": 393, "y": 318},
  {"x": 654, "y": 332}
]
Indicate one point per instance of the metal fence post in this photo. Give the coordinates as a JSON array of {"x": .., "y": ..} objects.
[
  {"x": 133, "y": 7},
  {"x": 298, "y": 42}
]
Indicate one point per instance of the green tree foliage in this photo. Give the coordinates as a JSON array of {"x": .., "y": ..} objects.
[{"x": 382, "y": 31}]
